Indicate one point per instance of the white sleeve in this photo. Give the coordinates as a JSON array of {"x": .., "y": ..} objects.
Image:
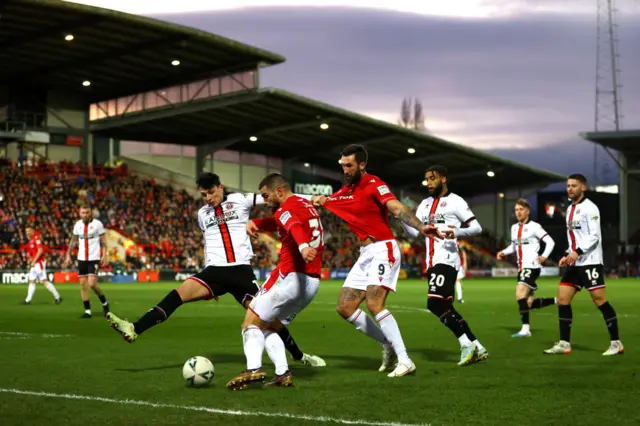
[
  {"x": 466, "y": 216},
  {"x": 549, "y": 244},
  {"x": 410, "y": 230},
  {"x": 101, "y": 230},
  {"x": 591, "y": 240},
  {"x": 252, "y": 199},
  {"x": 510, "y": 249}
]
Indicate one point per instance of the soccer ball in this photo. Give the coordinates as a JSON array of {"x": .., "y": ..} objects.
[{"x": 197, "y": 371}]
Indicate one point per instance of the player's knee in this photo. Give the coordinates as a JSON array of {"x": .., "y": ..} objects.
[
  {"x": 435, "y": 306},
  {"x": 375, "y": 306},
  {"x": 345, "y": 310}
]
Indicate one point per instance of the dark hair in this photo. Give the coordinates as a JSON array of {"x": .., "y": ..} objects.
[
  {"x": 580, "y": 178},
  {"x": 524, "y": 203},
  {"x": 440, "y": 170},
  {"x": 208, "y": 180},
  {"x": 85, "y": 206},
  {"x": 362, "y": 156},
  {"x": 274, "y": 180}
]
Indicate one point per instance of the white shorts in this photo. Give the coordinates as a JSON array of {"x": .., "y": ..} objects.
[
  {"x": 378, "y": 264},
  {"x": 461, "y": 273},
  {"x": 38, "y": 272},
  {"x": 284, "y": 297}
]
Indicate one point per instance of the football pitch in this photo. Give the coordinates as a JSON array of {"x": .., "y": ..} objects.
[{"x": 58, "y": 369}]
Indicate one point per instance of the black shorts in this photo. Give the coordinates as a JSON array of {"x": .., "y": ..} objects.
[
  {"x": 237, "y": 280},
  {"x": 87, "y": 268},
  {"x": 590, "y": 277},
  {"x": 442, "y": 281},
  {"x": 528, "y": 277}
]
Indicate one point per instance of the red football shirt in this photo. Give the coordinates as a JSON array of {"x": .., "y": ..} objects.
[
  {"x": 34, "y": 244},
  {"x": 296, "y": 218},
  {"x": 364, "y": 207}
]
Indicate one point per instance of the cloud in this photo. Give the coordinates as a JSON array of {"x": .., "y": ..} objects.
[{"x": 522, "y": 82}]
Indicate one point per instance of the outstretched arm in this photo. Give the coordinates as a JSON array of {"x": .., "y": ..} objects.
[{"x": 405, "y": 215}]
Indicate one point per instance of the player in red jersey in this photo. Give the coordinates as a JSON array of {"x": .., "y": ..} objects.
[
  {"x": 37, "y": 267},
  {"x": 290, "y": 288},
  {"x": 365, "y": 203}
]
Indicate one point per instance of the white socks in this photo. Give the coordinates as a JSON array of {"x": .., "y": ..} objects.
[
  {"x": 30, "y": 292},
  {"x": 459, "y": 290},
  {"x": 389, "y": 327},
  {"x": 464, "y": 340},
  {"x": 525, "y": 329},
  {"x": 366, "y": 325},
  {"x": 254, "y": 343},
  {"x": 52, "y": 289},
  {"x": 276, "y": 351}
]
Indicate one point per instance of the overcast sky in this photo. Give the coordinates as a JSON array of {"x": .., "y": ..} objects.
[{"x": 515, "y": 77}]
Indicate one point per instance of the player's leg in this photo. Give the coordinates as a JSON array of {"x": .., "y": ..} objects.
[
  {"x": 523, "y": 293},
  {"x": 92, "y": 279},
  {"x": 441, "y": 279},
  {"x": 49, "y": 285},
  {"x": 83, "y": 271},
  {"x": 192, "y": 289},
  {"x": 84, "y": 295},
  {"x": 33, "y": 276},
  {"x": 459, "y": 285},
  {"x": 352, "y": 294},
  {"x": 482, "y": 352},
  {"x": 244, "y": 292},
  {"x": 264, "y": 309},
  {"x": 536, "y": 302},
  {"x": 300, "y": 289},
  {"x": 383, "y": 272},
  {"x": 569, "y": 286},
  {"x": 596, "y": 286}
]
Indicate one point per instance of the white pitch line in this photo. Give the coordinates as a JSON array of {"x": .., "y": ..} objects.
[
  {"x": 18, "y": 335},
  {"x": 323, "y": 419}
]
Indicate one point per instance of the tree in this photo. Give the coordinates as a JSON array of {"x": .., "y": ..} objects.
[{"x": 412, "y": 115}]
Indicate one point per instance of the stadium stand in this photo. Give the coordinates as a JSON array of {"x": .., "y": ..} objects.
[
  {"x": 157, "y": 218},
  {"x": 84, "y": 101}
]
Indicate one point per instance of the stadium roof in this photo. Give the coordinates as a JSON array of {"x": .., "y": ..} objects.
[
  {"x": 626, "y": 141},
  {"x": 289, "y": 126},
  {"x": 119, "y": 53}
]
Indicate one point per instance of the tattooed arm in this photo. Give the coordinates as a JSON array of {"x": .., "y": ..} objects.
[
  {"x": 404, "y": 214},
  {"x": 409, "y": 219}
]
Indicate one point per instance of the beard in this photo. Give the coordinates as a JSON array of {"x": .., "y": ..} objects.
[{"x": 355, "y": 178}]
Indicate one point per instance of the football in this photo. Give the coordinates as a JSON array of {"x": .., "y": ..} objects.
[{"x": 198, "y": 371}]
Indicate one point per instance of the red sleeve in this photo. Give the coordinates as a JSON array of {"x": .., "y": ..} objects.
[
  {"x": 298, "y": 233},
  {"x": 267, "y": 224},
  {"x": 286, "y": 219},
  {"x": 381, "y": 192}
]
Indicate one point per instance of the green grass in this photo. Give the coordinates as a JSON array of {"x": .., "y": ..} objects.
[{"x": 518, "y": 385}]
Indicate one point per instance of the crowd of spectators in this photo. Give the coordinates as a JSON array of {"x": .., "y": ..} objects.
[{"x": 156, "y": 222}]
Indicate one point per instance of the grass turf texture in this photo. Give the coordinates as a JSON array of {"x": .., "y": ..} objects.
[{"x": 517, "y": 385}]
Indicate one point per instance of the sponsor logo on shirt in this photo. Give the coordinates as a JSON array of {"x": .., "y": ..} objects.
[
  {"x": 218, "y": 219},
  {"x": 284, "y": 218},
  {"x": 383, "y": 190}
]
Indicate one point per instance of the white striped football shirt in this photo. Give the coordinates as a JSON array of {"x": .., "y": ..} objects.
[{"x": 226, "y": 242}]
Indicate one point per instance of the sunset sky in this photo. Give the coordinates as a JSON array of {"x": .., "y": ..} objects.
[{"x": 516, "y": 77}]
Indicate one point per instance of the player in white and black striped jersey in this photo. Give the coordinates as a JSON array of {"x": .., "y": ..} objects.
[
  {"x": 526, "y": 236},
  {"x": 228, "y": 252},
  {"x": 584, "y": 268},
  {"x": 89, "y": 236}
]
